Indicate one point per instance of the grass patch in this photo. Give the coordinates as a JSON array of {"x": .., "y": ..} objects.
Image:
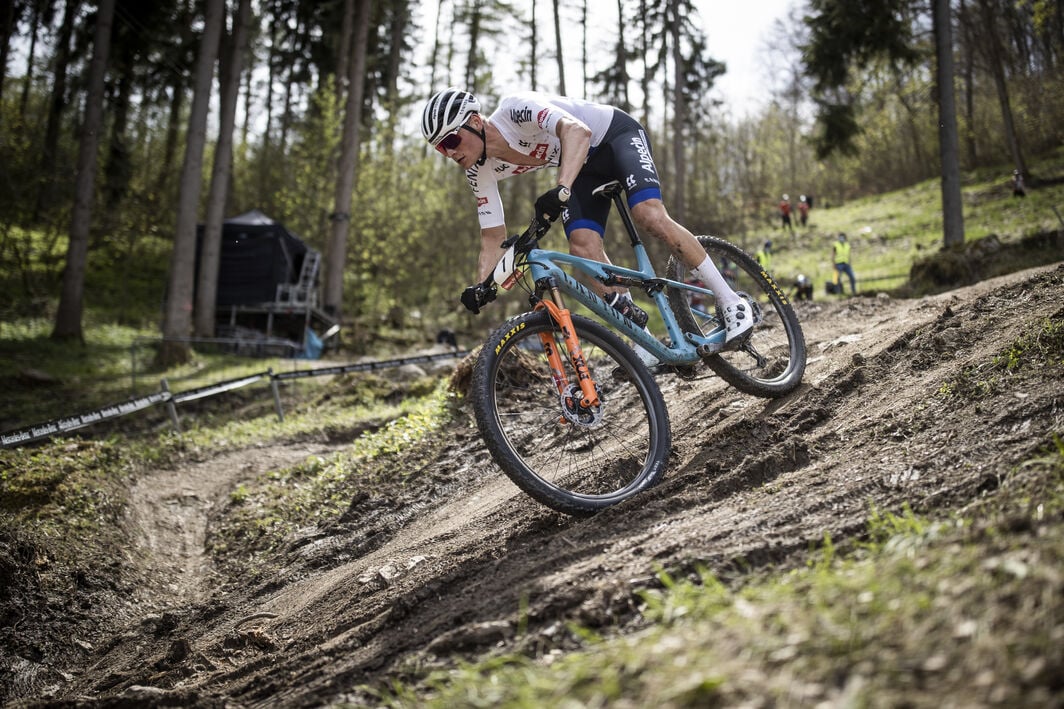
[
  {"x": 69, "y": 495},
  {"x": 1042, "y": 348},
  {"x": 263, "y": 513},
  {"x": 964, "y": 608},
  {"x": 891, "y": 232}
]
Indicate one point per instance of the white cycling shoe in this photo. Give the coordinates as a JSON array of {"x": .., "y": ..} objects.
[{"x": 738, "y": 320}]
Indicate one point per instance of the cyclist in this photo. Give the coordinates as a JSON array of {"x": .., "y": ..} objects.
[{"x": 590, "y": 144}]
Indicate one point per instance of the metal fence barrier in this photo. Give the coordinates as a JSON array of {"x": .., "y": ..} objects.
[{"x": 66, "y": 424}]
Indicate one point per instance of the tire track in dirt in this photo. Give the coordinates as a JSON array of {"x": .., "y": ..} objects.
[
  {"x": 751, "y": 484},
  {"x": 170, "y": 509}
]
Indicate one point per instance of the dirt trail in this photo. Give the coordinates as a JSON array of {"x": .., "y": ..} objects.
[
  {"x": 751, "y": 483},
  {"x": 169, "y": 512}
]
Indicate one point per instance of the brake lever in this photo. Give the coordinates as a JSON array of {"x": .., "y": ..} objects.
[{"x": 535, "y": 230}]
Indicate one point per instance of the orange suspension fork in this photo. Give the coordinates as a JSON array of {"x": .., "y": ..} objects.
[{"x": 564, "y": 319}]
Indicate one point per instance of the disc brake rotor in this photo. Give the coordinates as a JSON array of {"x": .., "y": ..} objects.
[{"x": 574, "y": 412}]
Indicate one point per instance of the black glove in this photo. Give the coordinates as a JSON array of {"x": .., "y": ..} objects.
[
  {"x": 550, "y": 204},
  {"x": 476, "y": 297}
]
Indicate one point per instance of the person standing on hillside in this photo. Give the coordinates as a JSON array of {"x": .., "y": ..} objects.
[
  {"x": 841, "y": 256},
  {"x": 803, "y": 210},
  {"x": 785, "y": 214},
  {"x": 590, "y": 144},
  {"x": 1018, "y": 189},
  {"x": 764, "y": 256}
]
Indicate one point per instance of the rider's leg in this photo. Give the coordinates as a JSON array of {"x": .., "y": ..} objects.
[
  {"x": 587, "y": 243},
  {"x": 652, "y": 218}
]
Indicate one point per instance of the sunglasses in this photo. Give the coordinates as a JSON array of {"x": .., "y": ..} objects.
[{"x": 453, "y": 140}]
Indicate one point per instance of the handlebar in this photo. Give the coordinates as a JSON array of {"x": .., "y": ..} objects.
[
  {"x": 535, "y": 231},
  {"x": 523, "y": 242}
]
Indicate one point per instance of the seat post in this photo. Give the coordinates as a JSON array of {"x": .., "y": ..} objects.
[
  {"x": 615, "y": 191},
  {"x": 626, "y": 217}
]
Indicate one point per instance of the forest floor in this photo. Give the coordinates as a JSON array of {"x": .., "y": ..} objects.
[{"x": 905, "y": 405}]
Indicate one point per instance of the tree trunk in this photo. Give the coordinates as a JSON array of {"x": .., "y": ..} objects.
[
  {"x": 952, "y": 211},
  {"x": 71, "y": 299},
  {"x": 58, "y": 104},
  {"x": 266, "y": 150},
  {"x": 336, "y": 252},
  {"x": 397, "y": 31},
  {"x": 27, "y": 82},
  {"x": 532, "y": 52},
  {"x": 211, "y": 248},
  {"x": 474, "y": 39},
  {"x": 558, "y": 48},
  {"x": 994, "y": 54},
  {"x": 969, "y": 86},
  {"x": 583, "y": 48},
  {"x": 164, "y": 181},
  {"x": 647, "y": 77},
  {"x": 177, "y": 315},
  {"x": 679, "y": 119},
  {"x": 343, "y": 49},
  {"x": 119, "y": 169},
  {"x": 8, "y": 22}
]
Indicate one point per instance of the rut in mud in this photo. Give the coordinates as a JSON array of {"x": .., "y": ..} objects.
[{"x": 438, "y": 568}]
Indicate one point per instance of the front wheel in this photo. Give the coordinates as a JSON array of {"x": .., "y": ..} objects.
[
  {"x": 574, "y": 459},
  {"x": 771, "y": 362}
]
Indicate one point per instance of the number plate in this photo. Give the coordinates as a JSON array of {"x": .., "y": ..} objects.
[{"x": 506, "y": 271}]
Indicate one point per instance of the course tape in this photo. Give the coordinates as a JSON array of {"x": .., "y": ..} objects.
[
  {"x": 219, "y": 388},
  {"x": 366, "y": 366},
  {"x": 66, "y": 424},
  {"x": 70, "y": 423}
]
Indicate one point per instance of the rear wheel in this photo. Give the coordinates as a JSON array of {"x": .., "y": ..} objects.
[
  {"x": 771, "y": 361},
  {"x": 574, "y": 459}
]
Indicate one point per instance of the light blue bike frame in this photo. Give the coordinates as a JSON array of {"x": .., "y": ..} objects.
[{"x": 684, "y": 347}]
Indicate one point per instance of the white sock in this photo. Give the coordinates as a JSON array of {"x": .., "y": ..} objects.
[{"x": 707, "y": 273}]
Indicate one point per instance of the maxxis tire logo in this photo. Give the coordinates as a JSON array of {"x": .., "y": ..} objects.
[
  {"x": 775, "y": 287},
  {"x": 506, "y": 338}
]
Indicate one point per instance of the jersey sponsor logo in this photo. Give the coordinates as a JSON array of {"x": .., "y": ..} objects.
[
  {"x": 521, "y": 169},
  {"x": 481, "y": 201},
  {"x": 520, "y": 115},
  {"x": 541, "y": 119},
  {"x": 540, "y": 151},
  {"x": 646, "y": 161}
]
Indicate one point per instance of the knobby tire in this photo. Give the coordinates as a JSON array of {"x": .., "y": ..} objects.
[
  {"x": 777, "y": 339},
  {"x": 575, "y": 467}
]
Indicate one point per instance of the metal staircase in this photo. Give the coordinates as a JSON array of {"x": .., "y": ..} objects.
[{"x": 305, "y": 291}]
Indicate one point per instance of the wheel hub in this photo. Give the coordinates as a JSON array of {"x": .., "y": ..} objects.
[{"x": 575, "y": 413}]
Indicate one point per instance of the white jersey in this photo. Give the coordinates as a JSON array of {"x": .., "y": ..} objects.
[{"x": 528, "y": 121}]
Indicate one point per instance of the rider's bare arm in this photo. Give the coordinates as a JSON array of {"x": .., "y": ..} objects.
[
  {"x": 490, "y": 251},
  {"x": 576, "y": 141}
]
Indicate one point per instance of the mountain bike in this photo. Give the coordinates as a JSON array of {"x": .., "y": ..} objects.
[{"x": 566, "y": 407}]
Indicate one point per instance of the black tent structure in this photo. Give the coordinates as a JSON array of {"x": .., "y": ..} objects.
[{"x": 268, "y": 288}]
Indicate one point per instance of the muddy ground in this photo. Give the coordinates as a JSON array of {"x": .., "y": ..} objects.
[{"x": 436, "y": 569}]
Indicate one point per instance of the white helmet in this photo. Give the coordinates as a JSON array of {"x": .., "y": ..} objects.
[{"x": 446, "y": 111}]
